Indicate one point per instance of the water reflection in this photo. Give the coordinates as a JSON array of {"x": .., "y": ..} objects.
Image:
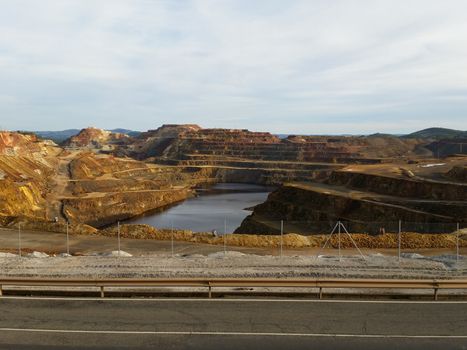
[{"x": 223, "y": 203}]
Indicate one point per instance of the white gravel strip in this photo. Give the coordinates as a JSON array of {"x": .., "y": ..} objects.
[{"x": 231, "y": 264}]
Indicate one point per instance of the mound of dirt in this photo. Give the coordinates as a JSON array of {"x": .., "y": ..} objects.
[
  {"x": 409, "y": 240},
  {"x": 33, "y": 224}
]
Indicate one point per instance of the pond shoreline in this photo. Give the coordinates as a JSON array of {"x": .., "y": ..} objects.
[{"x": 219, "y": 207}]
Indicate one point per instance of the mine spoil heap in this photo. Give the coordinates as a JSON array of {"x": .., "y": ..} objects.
[
  {"x": 93, "y": 138},
  {"x": 99, "y": 177},
  {"x": 217, "y": 144}
]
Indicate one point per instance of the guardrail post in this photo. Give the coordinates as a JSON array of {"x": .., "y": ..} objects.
[
  {"x": 1, "y": 290},
  {"x": 435, "y": 295},
  {"x": 320, "y": 293},
  {"x": 210, "y": 292},
  {"x": 102, "y": 291}
]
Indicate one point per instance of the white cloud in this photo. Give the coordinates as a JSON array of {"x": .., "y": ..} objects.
[{"x": 233, "y": 63}]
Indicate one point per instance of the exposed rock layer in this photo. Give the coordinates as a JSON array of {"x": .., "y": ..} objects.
[{"x": 103, "y": 177}]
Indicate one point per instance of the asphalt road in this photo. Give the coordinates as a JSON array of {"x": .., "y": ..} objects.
[{"x": 230, "y": 324}]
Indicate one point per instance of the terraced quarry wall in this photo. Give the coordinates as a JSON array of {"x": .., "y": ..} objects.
[
  {"x": 359, "y": 198},
  {"x": 26, "y": 165},
  {"x": 264, "y": 146},
  {"x": 111, "y": 207},
  {"x": 447, "y": 147},
  {"x": 188, "y": 142},
  {"x": 458, "y": 173},
  {"x": 400, "y": 187},
  {"x": 103, "y": 179},
  {"x": 104, "y": 189}
]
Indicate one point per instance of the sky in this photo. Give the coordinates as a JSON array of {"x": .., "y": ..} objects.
[{"x": 295, "y": 66}]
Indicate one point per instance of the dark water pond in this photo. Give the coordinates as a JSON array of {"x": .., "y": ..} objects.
[{"x": 219, "y": 207}]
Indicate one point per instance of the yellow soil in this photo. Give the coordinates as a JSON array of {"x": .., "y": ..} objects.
[{"x": 408, "y": 239}]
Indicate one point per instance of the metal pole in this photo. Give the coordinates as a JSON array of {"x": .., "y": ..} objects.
[
  {"x": 399, "y": 241},
  {"x": 172, "y": 238},
  {"x": 339, "y": 235},
  {"x": 282, "y": 234},
  {"x": 457, "y": 243},
  {"x": 225, "y": 232},
  {"x": 353, "y": 242},
  {"x": 67, "y": 240},
  {"x": 327, "y": 240},
  {"x": 118, "y": 236},
  {"x": 19, "y": 239}
]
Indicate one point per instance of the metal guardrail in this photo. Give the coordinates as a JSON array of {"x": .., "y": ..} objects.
[{"x": 211, "y": 283}]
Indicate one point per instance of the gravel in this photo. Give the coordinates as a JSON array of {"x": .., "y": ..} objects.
[{"x": 231, "y": 264}]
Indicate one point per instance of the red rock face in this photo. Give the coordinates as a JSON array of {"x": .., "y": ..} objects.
[
  {"x": 25, "y": 165},
  {"x": 13, "y": 143},
  {"x": 265, "y": 146},
  {"x": 180, "y": 142},
  {"x": 95, "y": 138}
]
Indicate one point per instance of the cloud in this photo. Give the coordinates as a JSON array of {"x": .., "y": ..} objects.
[{"x": 301, "y": 66}]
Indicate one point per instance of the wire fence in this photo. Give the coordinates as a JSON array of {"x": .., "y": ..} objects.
[
  {"x": 367, "y": 227},
  {"x": 334, "y": 237}
]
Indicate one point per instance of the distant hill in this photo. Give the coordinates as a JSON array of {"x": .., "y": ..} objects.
[
  {"x": 57, "y": 136},
  {"x": 128, "y": 132},
  {"x": 379, "y": 134},
  {"x": 282, "y": 136},
  {"x": 62, "y": 135},
  {"x": 437, "y": 134}
]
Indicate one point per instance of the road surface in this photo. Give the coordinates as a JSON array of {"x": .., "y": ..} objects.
[{"x": 54, "y": 323}]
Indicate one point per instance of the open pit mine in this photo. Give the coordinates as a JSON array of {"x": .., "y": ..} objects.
[{"x": 97, "y": 178}]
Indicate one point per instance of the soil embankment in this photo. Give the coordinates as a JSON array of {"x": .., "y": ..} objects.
[{"x": 409, "y": 240}]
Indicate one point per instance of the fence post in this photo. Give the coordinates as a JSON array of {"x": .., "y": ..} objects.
[
  {"x": 399, "y": 241},
  {"x": 118, "y": 237},
  {"x": 339, "y": 243},
  {"x": 19, "y": 239},
  {"x": 67, "y": 240},
  {"x": 225, "y": 233},
  {"x": 457, "y": 243},
  {"x": 172, "y": 238},
  {"x": 282, "y": 234}
]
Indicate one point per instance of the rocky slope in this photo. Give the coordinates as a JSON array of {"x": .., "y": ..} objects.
[
  {"x": 360, "y": 197},
  {"x": 104, "y": 189},
  {"x": 447, "y": 147},
  {"x": 102, "y": 177},
  {"x": 93, "y": 138},
  {"x": 26, "y": 165},
  {"x": 194, "y": 143},
  {"x": 458, "y": 173}
]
